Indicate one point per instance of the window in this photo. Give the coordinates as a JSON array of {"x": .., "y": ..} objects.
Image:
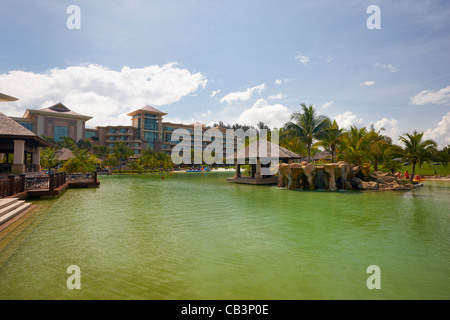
[
  {"x": 112, "y": 130},
  {"x": 151, "y": 124},
  {"x": 91, "y": 134},
  {"x": 28, "y": 126},
  {"x": 61, "y": 132},
  {"x": 123, "y": 130},
  {"x": 150, "y": 136}
]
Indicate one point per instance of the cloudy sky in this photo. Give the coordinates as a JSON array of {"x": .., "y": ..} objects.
[{"x": 232, "y": 61}]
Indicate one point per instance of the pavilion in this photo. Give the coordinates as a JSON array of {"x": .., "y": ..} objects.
[
  {"x": 263, "y": 158},
  {"x": 24, "y": 144}
]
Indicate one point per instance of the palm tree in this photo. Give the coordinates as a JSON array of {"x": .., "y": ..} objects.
[
  {"x": 49, "y": 158},
  {"x": 103, "y": 151},
  {"x": 120, "y": 153},
  {"x": 377, "y": 145},
  {"x": 331, "y": 139},
  {"x": 68, "y": 143},
  {"x": 85, "y": 144},
  {"x": 83, "y": 162},
  {"x": 416, "y": 151},
  {"x": 307, "y": 126},
  {"x": 354, "y": 145}
]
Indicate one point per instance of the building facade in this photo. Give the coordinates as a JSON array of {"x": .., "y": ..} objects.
[
  {"x": 56, "y": 122},
  {"x": 146, "y": 130}
]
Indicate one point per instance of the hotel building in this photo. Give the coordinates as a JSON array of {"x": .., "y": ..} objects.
[{"x": 147, "y": 129}]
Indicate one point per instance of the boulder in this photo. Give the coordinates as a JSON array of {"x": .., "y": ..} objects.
[
  {"x": 284, "y": 175},
  {"x": 388, "y": 181},
  {"x": 365, "y": 185}
]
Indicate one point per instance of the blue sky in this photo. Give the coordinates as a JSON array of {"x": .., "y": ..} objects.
[{"x": 235, "y": 61}]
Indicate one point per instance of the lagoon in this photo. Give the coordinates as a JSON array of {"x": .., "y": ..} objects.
[{"x": 197, "y": 236}]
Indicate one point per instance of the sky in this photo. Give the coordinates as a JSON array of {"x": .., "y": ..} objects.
[{"x": 232, "y": 61}]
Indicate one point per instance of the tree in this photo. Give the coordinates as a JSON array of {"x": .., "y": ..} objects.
[
  {"x": 49, "y": 158},
  {"x": 66, "y": 142},
  {"x": 416, "y": 151},
  {"x": 377, "y": 144},
  {"x": 83, "y": 162},
  {"x": 120, "y": 153},
  {"x": 353, "y": 145},
  {"x": 136, "y": 166},
  {"x": 84, "y": 144},
  {"x": 331, "y": 139},
  {"x": 307, "y": 126},
  {"x": 103, "y": 151}
]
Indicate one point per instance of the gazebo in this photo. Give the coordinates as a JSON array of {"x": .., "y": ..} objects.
[
  {"x": 262, "y": 157},
  {"x": 24, "y": 144}
]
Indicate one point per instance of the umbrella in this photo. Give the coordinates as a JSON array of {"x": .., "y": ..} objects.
[{"x": 4, "y": 97}]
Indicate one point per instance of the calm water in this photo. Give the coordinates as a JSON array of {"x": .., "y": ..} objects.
[{"x": 194, "y": 236}]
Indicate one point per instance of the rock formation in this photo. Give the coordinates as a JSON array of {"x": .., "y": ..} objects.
[{"x": 336, "y": 176}]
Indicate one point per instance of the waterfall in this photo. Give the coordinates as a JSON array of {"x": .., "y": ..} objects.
[
  {"x": 320, "y": 182},
  {"x": 342, "y": 182}
]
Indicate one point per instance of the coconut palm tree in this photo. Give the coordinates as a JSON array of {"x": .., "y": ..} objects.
[
  {"x": 307, "y": 126},
  {"x": 331, "y": 139},
  {"x": 354, "y": 145},
  {"x": 49, "y": 158},
  {"x": 120, "y": 153},
  {"x": 416, "y": 151},
  {"x": 377, "y": 144},
  {"x": 68, "y": 143}
]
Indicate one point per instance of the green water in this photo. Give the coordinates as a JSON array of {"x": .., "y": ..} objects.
[{"x": 194, "y": 236}]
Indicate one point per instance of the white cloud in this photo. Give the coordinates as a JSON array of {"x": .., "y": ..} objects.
[
  {"x": 242, "y": 95},
  {"x": 94, "y": 90},
  {"x": 432, "y": 97},
  {"x": 214, "y": 93},
  {"x": 303, "y": 59},
  {"x": 273, "y": 115},
  {"x": 347, "y": 119},
  {"x": 389, "y": 67},
  {"x": 327, "y": 104},
  {"x": 280, "y": 81},
  {"x": 368, "y": 83},
  {"x": 440, "y": 134},
  {"x": 277, "y": 96},
  {"x": 390, "y": 127}
]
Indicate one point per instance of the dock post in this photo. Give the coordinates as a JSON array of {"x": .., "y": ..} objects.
[
  {"x": 95, "y": 177},
  {"x": 12, "y": 184},
  {"x": 51, "y": 182},
  {"x": 22, "y": 182}
]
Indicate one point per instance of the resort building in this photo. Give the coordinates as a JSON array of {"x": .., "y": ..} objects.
[
  {"x": 146, "y": 130},
  {"x": 56, "y": 122}
]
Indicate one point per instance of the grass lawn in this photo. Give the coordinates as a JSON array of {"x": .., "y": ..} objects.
[{"x": 426, "y": 170}]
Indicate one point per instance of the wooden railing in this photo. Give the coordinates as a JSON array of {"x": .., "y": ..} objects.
[{"x": 17, "y": 184}]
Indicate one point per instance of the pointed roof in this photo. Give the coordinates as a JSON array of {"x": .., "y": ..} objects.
[
  {"x": 271, "y": 153},
  {"x": 147, "y": 109},
  {"x": 65, "y": 154},
  {"x": 10, "y": 129},
  {"x": 322, "y": 155},
  {"x": 57, "y": 110},
  {"x": 4, "y": 97}
]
